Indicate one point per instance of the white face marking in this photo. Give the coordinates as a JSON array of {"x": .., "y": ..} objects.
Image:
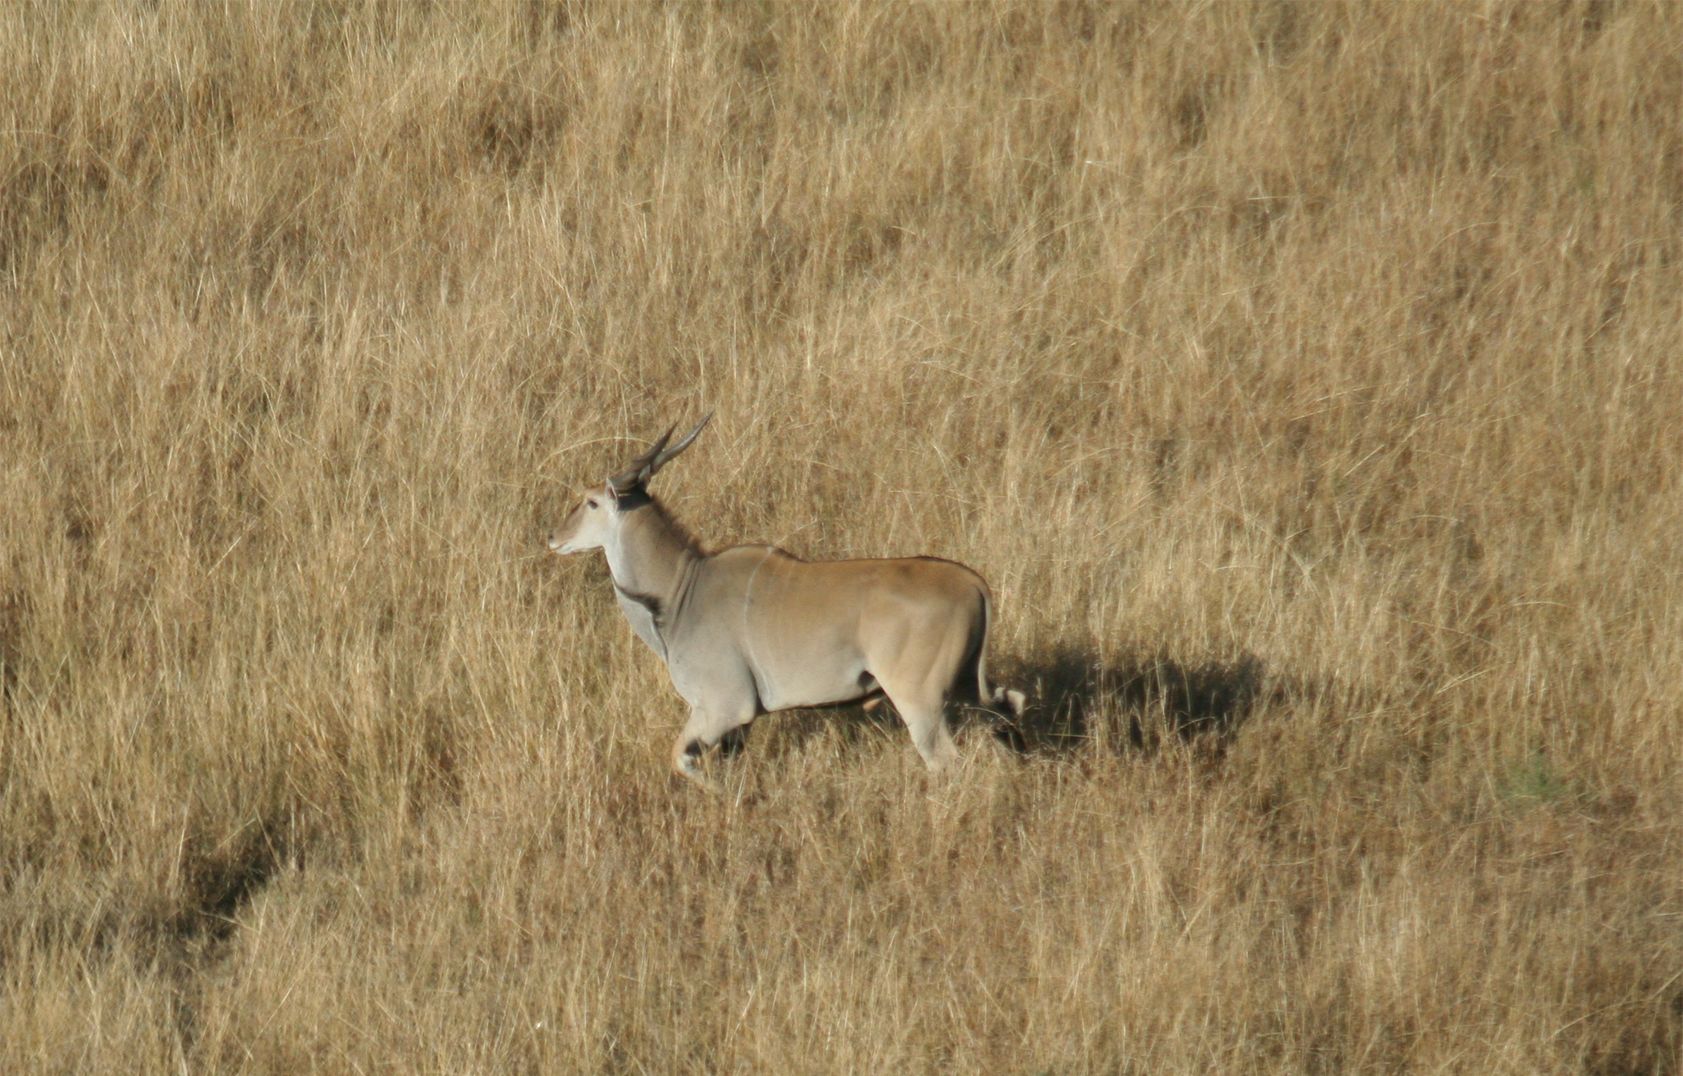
[{"x": 589, "y": 526}]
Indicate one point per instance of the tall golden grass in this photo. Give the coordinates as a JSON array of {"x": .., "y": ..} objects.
[{"x": 1305, "y": 379}]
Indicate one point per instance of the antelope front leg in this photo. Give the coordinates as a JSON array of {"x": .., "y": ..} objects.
[
  {"x": 684, "y": 759},
  {"x": 703, "y": 731}
]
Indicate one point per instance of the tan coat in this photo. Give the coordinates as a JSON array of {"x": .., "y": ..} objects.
[{"x": 752, "y": 629}]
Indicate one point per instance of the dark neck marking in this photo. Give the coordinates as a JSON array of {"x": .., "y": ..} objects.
[{"x": 647, "y": 601}]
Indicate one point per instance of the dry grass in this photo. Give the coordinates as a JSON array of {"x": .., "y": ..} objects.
[{"x": 1305, "y": 379}]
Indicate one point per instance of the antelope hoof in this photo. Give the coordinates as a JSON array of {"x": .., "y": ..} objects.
[{"x": 685, "y": 766}]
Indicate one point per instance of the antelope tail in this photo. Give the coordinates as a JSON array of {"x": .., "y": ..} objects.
[{"x": 1011, "y": 702}]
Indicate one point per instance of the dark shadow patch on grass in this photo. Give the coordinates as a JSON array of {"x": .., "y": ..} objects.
[
  {"x": 791, "y": 730},
  {"x": 1077, "y": 698},
  {"x": 198, "y": 936},
  {"x": 14, "y": 627},
  {"x": 223, "y": 885}
]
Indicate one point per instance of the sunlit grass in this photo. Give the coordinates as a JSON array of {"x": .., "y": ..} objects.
[{"x": 1302, "y": 378}]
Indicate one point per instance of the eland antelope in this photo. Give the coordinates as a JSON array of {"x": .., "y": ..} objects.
[{"x": 752, "y": 629}]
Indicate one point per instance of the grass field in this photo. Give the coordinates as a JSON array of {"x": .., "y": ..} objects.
[{"x": 1304, "y": 378}]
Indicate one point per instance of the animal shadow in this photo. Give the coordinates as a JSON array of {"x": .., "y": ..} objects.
[
  {"x": 1076, "y": 698},
  {"x": 792, "y": 730}
]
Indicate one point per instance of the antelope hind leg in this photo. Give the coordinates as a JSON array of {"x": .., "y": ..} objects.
[{"x": 925, "y": 714}]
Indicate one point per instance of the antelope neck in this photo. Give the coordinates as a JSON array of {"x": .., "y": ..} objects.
[{"x": 652, "y": 561}]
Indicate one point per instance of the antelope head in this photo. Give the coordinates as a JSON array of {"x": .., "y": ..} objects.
[{"x": 593, "y": 524}]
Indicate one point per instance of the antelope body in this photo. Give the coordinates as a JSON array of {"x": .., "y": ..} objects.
[{"x": 751, "y": 629}]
